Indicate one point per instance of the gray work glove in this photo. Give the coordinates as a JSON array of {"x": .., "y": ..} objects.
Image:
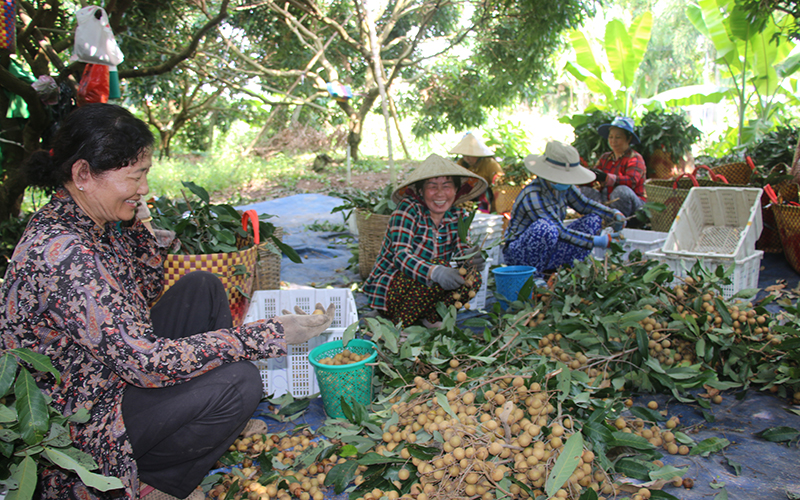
[
  {"x": 478, "y": 261},
  {"x": 447, "y": 277},
  {"x": 301, "y": 327}
]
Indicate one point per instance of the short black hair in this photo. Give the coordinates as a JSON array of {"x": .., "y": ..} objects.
[{"x": 106, "y": 136}]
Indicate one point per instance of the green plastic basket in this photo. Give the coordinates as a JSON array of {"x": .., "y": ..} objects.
[{"x": 353, "y": 381}]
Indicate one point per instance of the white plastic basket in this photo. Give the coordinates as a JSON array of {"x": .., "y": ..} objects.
[
  {"x": 744, "y": 276},
  {"x": 293, "y": 373},
  {"x": 720, "y": 222},
  {"x": 636, "y": 239},
  {"x": 487, "y": 229}
]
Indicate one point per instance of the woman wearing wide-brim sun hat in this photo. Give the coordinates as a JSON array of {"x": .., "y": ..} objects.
[
  {"x": 477, "y": 157},
  {"x": 621, "y": 171},
  {"x": 412, "y": 272},
  {"x": 537, "y": 235}
]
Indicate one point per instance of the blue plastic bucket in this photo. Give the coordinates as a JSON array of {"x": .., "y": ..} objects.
[{"x": 509, "y": 281}]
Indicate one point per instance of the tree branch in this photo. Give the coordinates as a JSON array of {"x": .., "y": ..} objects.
[{"x": 182, "y": 55}]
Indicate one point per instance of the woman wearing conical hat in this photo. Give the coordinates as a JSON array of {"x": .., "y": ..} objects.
[
  {"x": 537, "y": 235},
  {"x": 479, "y": 158},
  {"x": 412, "y": 273}
]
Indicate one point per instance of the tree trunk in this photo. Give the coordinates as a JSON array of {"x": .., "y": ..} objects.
[
  {"x": 165, "y": 137},
  {"x": 357, "y": 120}
]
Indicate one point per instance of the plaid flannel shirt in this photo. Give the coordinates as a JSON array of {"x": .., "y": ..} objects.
[
  {"x": 411, "y": 244},
  {"x": 538, "y": 201},
  {"x": 627, "y": 170}
]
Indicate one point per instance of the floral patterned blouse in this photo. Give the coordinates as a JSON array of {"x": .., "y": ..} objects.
[{"x": 80, "y": 293}]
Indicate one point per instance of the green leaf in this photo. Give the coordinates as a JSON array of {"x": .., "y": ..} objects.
[
  {"x": 631, "y": 441},
  {"x": 97, "y": 481},
  {"x": 26, "y": 476},
  {"x": 341, "y": 475},
  {"x": 588, "y": 494},
  {"x": 294, "y": 407},
  {"x": 667, "y": 472},
  {"x": 779, "y": 434},
  {"x": 722, "y": 495},
  {"x": 422, "y": 452},
  {"x": 8, "y": 370},
  {"x": 647, "y": 414},
  {"x": 445, "y": 404},
  {"x": 39, "y": 362},
  {"x": 683, "y": 438},
  {"x": 583, "y": 53},
  {"x": 634, "y": 468},
  {"x": 374, "y": 458},
  {"x": 348, "y": 450},
  {"x": 7, "y": 414},
  {"x": 565, "y": 465},
  {"x": 710, "y": 445},
  {"x": 349, "y": 334},
  {"x": 736, "y": 466},
  {"x": 198, "y": 191},
  {"x": 31, "y": 407}
]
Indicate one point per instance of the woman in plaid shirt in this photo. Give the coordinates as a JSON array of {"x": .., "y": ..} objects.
[
  {"x": 412, "y": 273},
  {"x": 621, "y": 171},
  {"x": 537, "y": 235}
]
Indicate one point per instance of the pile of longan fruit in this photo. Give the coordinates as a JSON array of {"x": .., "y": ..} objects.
[
  {"x": 506, "y": 426},
  {"x": 303, "y": 483},
  {"x": 345, "y": 357},
  {"x": 469, "y": 276}
]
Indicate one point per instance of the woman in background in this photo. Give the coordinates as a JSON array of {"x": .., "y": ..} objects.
[
  {"x": 479, "y": 159},
  {"x": 621, "y": 171},
  {"x": 537, "y": 235}
]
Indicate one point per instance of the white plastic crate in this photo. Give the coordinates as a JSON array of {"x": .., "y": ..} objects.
[
  {"x": 636, "y": 239},
  {"x": 487, "y": 229},
  {"x": 716, "y": 222},
  {"x": 293, "y": 373},
  {"x": 744, "y": 276}
]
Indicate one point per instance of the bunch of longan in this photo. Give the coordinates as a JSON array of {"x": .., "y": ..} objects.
[{"x": 345, "y": 357}]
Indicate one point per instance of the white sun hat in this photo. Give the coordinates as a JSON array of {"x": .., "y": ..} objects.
[
  {"x": 560, "y": 163},
  {"x": 471, "y": 145},
  {"x": 472, "y": 185}
]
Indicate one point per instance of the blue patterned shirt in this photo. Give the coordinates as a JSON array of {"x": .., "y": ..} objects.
[
  {"x": 411, "y": 244},
  {"x": 539, "y": 201}
]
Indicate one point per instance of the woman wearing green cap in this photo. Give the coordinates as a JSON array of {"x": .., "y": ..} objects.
[
  {"x": 621, "y": 171},
  {"x": 412, "y": 273}
]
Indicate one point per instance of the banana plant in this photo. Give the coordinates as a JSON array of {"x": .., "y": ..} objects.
[
  {"x": 757, "y": 61},
  {"x": 619, "y": 80}
]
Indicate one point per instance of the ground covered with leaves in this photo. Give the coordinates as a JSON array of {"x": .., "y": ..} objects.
[{"x": 555, "y": 397}]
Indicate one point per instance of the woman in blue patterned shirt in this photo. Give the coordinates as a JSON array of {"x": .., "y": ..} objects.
[
  {"x": 537, "y": 235},
  {"x": 412, "y": 272}
]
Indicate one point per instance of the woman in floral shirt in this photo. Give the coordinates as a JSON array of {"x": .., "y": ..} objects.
[{"x": 168, "y": 389}]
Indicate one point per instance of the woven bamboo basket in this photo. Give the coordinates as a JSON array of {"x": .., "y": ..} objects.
[
  {"x": 787, "y": 218},
  {"x": 672, "y": 195},
  {"x": 504, "y": 196},
  {"x": 770, "y": 239},
  {"x": 735, "y": 173},
  {"x": 268, "y": 267},
  {"x": 371, "y": 231}
]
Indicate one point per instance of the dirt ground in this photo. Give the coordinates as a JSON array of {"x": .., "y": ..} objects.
[{"x": 365, "y": 181}]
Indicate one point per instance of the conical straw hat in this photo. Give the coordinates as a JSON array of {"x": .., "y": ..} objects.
[
  {"x": 472, "y": 185},
  {"x": 471, "y": 145}
]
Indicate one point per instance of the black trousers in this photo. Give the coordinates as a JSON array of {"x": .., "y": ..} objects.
[{"x": 179, "y": 432}]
